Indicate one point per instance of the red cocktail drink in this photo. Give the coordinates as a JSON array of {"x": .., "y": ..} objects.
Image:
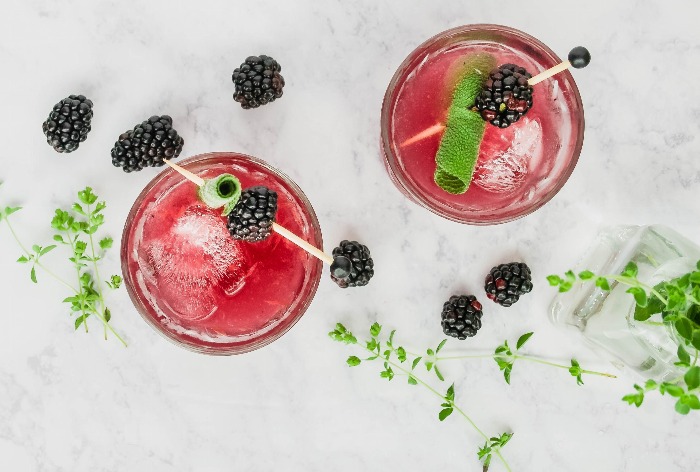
[
  {"x": 519, "y": 168},
  {"x": 198, "y": 286}
]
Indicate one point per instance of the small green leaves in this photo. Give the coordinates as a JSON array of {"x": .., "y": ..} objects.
[
  {"x": 635, "y": 398},
  {"x": 106, "y": 243},
  {"x": 575, "y": 371},
  {"x": 640, "y": 296},
  {"x": 491, "y": 446},
  {"x": 412, "y": 380},
  {"x": 440, "y": 346},
  {"x": 602, "y": 283},
  {"x": 82, "y": 217},
  {"x": 341, "y": 334},
  {"x": 448, "y": 404},
  {"x": 438, "y": 373},
  {"x": 114, "y": 282},
  {"x": 7, "y": 211},
  {"x": 586, "y": 275},
  {"x": 630, "y": 270},
  {"x": 692, "y": 378},
  {"x": 387, "y": 373},
  {"x": 353, "y": 361},
  {"x": 522, "y": 340},
  {"x": 505, "y": 358},
  {"x": 683, "y": 356},
  {"x": 375, "y": 329}
]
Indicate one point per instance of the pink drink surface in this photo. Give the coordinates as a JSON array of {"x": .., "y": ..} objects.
[
  {"x": 517, "y": 168},
  {"x": 201, "y": 287}
]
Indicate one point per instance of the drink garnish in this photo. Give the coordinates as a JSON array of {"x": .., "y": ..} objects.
[
  {"x": 352, "y": 265},
  {"x": 506, "y": 96},
  {"x": 251, "y": 219},
  {"x": 459, "y": 147},
  {"x": 506, "y": 283},
  {"x": 147, "y": 145},
  {"x": 221, "y": 191}
]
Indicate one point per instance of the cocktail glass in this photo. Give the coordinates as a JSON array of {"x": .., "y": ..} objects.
[
  {"x": 519, "y": 168},
  {"x": 199, "y": 287}
]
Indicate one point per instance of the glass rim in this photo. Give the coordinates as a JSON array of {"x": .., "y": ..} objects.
[
  {"x": 446, "y": 210},
  {"x": 298, "y": 306}
]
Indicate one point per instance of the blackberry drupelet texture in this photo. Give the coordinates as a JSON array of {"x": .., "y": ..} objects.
[
  {"x": 147, "y": 145},
  {"x": 461, "y": 316},
  {"x": 352, "y": 264},
  {"x": 506, "y": 283},
  {"x": 68, "y": 123},
  {"x": 506, "y": 96},
  {"x": 252, "y": 217},
  {"x": 258, "y": 81}
]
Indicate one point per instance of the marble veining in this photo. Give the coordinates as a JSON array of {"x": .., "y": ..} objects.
[{"x": 73, "y": 402}]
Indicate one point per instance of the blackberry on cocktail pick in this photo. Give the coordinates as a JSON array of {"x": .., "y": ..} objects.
[
  {"x": 352, "y": 264},
  {"x": 461, "y": 316},
  {"x": 506, "y": 96},
  {"x": 258, "y": 81},
  {"x": 147, "y": 145},
  {"x": 506, "y": 283},
  {"x": 252, "y": 217},
  {"x": 508, "y": 93},
  {"x": 68, "y": 123}
]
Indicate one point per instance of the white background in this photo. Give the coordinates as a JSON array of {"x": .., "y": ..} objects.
[{"x": 74, "y": 402}]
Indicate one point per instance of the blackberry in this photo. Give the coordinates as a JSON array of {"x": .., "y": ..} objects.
[
  {"x": 147, "y": 144},
  {"x": 461, "y": 316},
  {"x": 258, "y": 81},
  {"x": 252, "y": 217},
  {"x": 68, "y": 123},
  {"x": 506, "y": 96},
  {"x": 506, "y": 283},
  {"x": 352, "y": 265}
]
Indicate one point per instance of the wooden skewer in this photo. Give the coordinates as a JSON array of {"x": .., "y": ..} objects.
[
  {"x": 281, "y": 230},
  {"x": 426, "y": 133},
  {"x": 544, "y": 75}
]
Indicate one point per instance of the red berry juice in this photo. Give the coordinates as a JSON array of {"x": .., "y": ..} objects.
[
  {"x": 198, "y": 286},
  {"x": 519, "y": 168}
]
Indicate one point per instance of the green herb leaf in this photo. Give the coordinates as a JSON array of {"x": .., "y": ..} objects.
[
  {"x": 106, "y": 243},
  {"x": 553, "y": 280},
  {"x": 696, "y": 339},
  {"x": 23, "y": 259},
  {"x": 684, "y": 328},
  {"x": 630, "y": 270},
  {"x": 691, "y": 400},
  {"x": 635, "y": 399},
  {"x": 692, "y": 377},
  {"x": 412, "y": 380},
  {"x": 506, "y": 373},
  {"x": 522, "y": 340},
  {"x": 450, "y": 395},
  {"x": 586, "y": 275},
  {"x": 602, "y": 283},
  {"x": 440, "y": 346},
  {"x": 640, "y": 296},
  {"x": 353, "y": 361},
  {"x": 415, "y": 362},
  {"x": 671, "y": 389},
  {"x": 444, "y": 413},
  {"x": 375, "y": 329},
  {"x": 575, "y": 371},
  {"x": 47, "y": 249},
  {"x": 401, "y": 354},
  {"x": 32, "y": 275},
  {"x": 682, "y": 408},
  {"x": 439, "y": 374},
  {"x": 683, "y": 355}
]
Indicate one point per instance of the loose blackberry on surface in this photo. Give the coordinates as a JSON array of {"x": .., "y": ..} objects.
[
  {"x": 352, "y": 264},
  {"x": 506, "y": 283},
  {"x": 461, "y": 316},
  {"x": 147, "y": 144},
  {"x": 258, "y": 81},
  {"x": 506, "y": 96},
  {"x": 252, "y": 217},
  {"x": 68, "y": 124}
]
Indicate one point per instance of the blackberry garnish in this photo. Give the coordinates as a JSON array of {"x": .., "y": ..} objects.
[
  {"x": 258, "y": 81},
  {"x": 461, "y": 316},
  {"x": 68, "y": 123},
  {"x": 506, "y": 283},
  {"x": 252, "y": 217},
  {"x": 506, "y": 96},
  {"x": 352, "y": 265},
  {"x": 147, "y": 144}
]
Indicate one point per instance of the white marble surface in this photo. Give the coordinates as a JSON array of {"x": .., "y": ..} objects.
[{"x": 73, "y": 402}]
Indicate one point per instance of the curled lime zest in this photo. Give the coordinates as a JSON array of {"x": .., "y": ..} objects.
[{"x": 221, "y": 191}]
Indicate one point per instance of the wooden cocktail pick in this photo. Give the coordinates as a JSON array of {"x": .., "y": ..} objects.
[
  {"x": 578, "y": 58},
  {"x": 281, "y": 230}
]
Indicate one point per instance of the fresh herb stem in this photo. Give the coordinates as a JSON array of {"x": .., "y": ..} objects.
[
  {"x": 634, "y": 282},
  {"x": 38, "y": 263},
  {"x": 525, "y": 358},
  {"x": 99, "y": 280},
  {"x": 76, "y": 264},
  {"x": 584, "y": 371}
]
